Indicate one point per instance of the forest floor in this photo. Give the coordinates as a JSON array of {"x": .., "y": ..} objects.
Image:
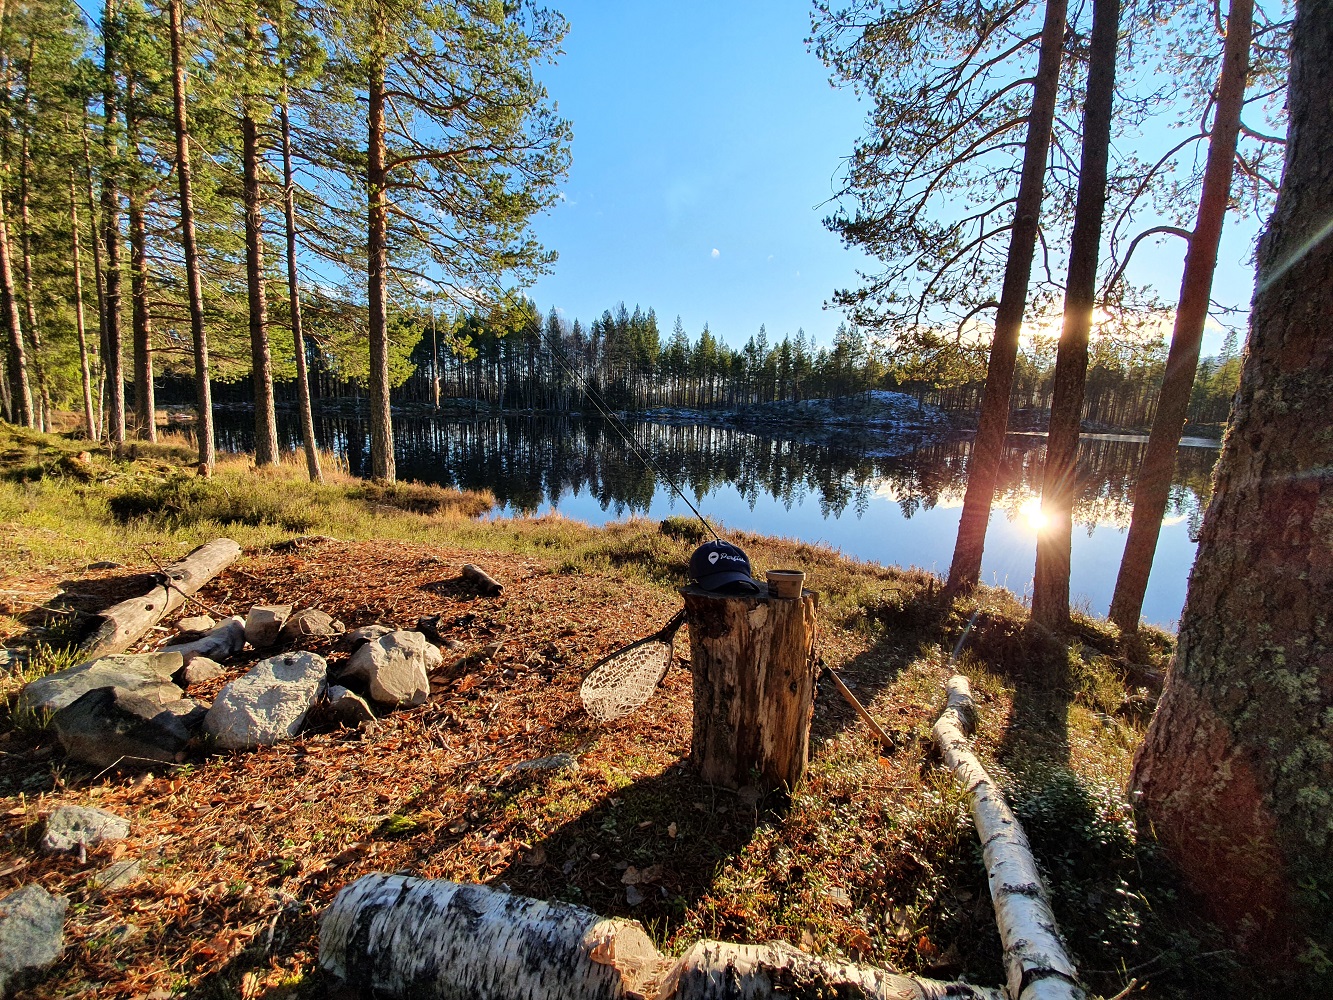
[{"x": 874, "y": 857}]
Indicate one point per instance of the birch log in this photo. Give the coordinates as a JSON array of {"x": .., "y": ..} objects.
[
  {"x": 391, "y": 936},
  {"x": 121, "y": 625},
  {"x": 1036, "y": 965}
]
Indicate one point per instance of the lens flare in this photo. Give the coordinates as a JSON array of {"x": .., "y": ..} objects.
[{"x": 1031, "y": 513}]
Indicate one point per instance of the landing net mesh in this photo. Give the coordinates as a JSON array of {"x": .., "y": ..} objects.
[{"x": 625, "y": 680}]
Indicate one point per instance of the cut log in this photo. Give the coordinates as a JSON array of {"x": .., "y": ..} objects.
[
  {"x": 393, "y": 936},
  {"x": 754, "y": 687},
  {"x": 1036, "y": 964},
  {"x": 486, "y": 583},
  {"x": 121, "y": 625}
]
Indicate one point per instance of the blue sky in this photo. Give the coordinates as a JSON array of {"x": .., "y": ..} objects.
[{"x": 706, "y": 144}]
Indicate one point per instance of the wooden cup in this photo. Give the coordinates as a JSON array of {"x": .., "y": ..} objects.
[{"x": 785, "y": 583}]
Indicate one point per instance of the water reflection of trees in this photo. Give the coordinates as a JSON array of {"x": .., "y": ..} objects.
[{"x": 529, "y": 461}]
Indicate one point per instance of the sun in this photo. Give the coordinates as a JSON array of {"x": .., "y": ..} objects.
[{"x": 1032, "y": 513}]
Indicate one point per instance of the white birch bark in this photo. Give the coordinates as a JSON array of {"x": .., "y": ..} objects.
[{"x": 1036, "y": 965}]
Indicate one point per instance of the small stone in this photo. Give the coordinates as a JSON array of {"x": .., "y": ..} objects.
[
  {"x": 353, "y": 640},
  {"x": 347, "y": 708},
  {"x": 104, "y": 564},
  {"x": 633, "y": 896},
  {"x": 453, "y": 645},
  {"x": 14, "y": 660},
  {"x": 196, "y": 627},
  {"x": 116, "y": 876},
  {"x": 32, "y": 933},
  {"x": 198, "y": 671},
  {"x": 395, "y": 667},
  {"x": 307, "y": 623},
  {"x": 121, "y": 935},
  {"x": 268, "y": 703},
  {"x": 70, "y": 826},
  {"x": 264, "y": 623},
  {"x": 555, "y": 762}
]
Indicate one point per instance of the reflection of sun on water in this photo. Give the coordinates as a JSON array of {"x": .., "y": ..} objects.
[{"x": 1031, "y": 512}]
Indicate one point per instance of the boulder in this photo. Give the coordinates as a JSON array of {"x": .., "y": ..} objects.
[
  {"x": 69, "y": 826},
  {"x": 144, "y": 674},
  {"x": 225, "y": 640},
  {"x": 354, "y": 639},
  {"x": 112, "y": 727},
  {"x": 268, "y": 703},
  {"x": 32, "y": 933},
  {"x": 264, "y": 623},
  {"x": 308, "y": 623},
  {"x": 347, "y": 708},
  {"x": 198, "y": 671},
  {"x": 395, "y": 667}
]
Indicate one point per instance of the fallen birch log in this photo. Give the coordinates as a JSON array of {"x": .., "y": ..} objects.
[
  {"x": 1036, "y": 965},
  {"x": 121, "y": 625},
  {"x": 394, "y": 936}
]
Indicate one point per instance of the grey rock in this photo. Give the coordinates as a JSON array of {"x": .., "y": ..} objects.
[
  {"x": 395, "y": 668},
  {"x": 555, "y": 762},
  {"x": 308, "y": 623},
  {"x": 13, "y": 660},
  {"x": 347, "y": 708},
  {"x": 263, "y": 624},
  {"x": 356, "y": 638},
  {"x": 117, "y": 875},
  {"x": 32, "y": 933},
  {"x": 268, "y": 703},
  {"x": 112, "y": 727},
  {"x": 69, "y": 826},
  {"x": 225, "y": 640},
  {"x": 195, "y": 627},
  {"x": 104, "y": 564},
  {"x": 198, "y": 671},
  {"x": 145, "y": 674}
]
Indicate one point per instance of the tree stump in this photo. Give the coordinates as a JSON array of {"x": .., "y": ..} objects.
[{"x": 754, "y": 686}]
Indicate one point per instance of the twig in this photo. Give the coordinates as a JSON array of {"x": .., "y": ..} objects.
[
  {"x": 1126, "y": 991},
  {"x": 843, "y": 690},
  {"x": 161, "y": 570}
]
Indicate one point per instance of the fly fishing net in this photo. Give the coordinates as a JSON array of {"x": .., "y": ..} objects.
[{"x": 620, "y": 683}]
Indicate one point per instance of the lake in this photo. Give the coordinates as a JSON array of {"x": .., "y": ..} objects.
[{"x": 890, "y": 498}]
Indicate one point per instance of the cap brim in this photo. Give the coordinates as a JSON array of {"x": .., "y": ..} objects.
[{"x": 716, "y": 581}]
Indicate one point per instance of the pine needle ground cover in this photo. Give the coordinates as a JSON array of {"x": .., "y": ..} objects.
[{"x": 501, "y": 778}]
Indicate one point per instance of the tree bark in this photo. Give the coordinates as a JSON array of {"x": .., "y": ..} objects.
[
  {"x": 988, "y": 445},
  {"x": 204, "y": 427},
  {"x": 1236, "y": 768},
  {"x": 85, "y": 368},
  {"x": 381, "y": 419},
  {"x": 25, "y": 242},
  {"x": 145, "y": 406},
  {"x": 754, "y": 687},
  {"x": 1050, "y": 585},
  {"x": 18, "y": 359},
  {"x": 261, "y": 360},
  {"x": 294, "y": 298},
  {"x": 121, "y": 625},
  {"x": 111, "y": 345},
  {"x": 99, "y": 276},
  {"x": 1182, "y": 362}
]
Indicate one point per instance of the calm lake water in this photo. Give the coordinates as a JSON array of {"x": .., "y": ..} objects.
[{"x": 893, "y": 499}]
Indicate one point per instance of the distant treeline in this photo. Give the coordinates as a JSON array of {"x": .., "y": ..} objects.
[{"x": 514, "y": 359}]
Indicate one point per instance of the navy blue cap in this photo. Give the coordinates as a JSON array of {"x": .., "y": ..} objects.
[{"x": 718, "y": 564}]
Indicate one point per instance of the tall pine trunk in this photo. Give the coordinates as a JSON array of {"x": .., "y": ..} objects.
[
  {"x": 204, "y": 393},
  {"x": 261, "y": 359},
  {"x": 1236, "y": 768},
  {"x": 1050, "y": 585},
  {"x": 1182, "y": 361},
  {"x": 99, "y": 276},
  {"x": 85, "y": 369},
  {"x": 988, "y": 445},
  {"x": 111, "y": 346},
  {"x": 377, "y": 250},
  {"x": 294, "y": 298},
  {"x": 25, "y": 242},
  {"x": 145, "y": 406},
  {"x": 21, "y": 391}
]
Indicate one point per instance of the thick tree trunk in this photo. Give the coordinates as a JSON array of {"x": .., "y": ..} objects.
[
  {"x": 1050, "y": 585},
  {"x": 1034, "y": 957},
  {"x": 121, "y": 625},
  {"x": 29, "y": 300},
  {"x": 1182, "y": 361},
  {"x": 85, "y": 368},
  {"x": 99, "y": 275},
  {"x": 988, "y": 446},
  {"x": 145, "y": 406},
  {"x": 294, "y": 299},
  {"x": 111, "y": 342},
  {"x": 754, "y": 687},
  {"x": 204, "y": 427},
  {"x": 377, "y": 248},
  {"x": 261, "y": 360},
  {"x": 18, "y": 356},
  {"x": 1237, "y": 765}
]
